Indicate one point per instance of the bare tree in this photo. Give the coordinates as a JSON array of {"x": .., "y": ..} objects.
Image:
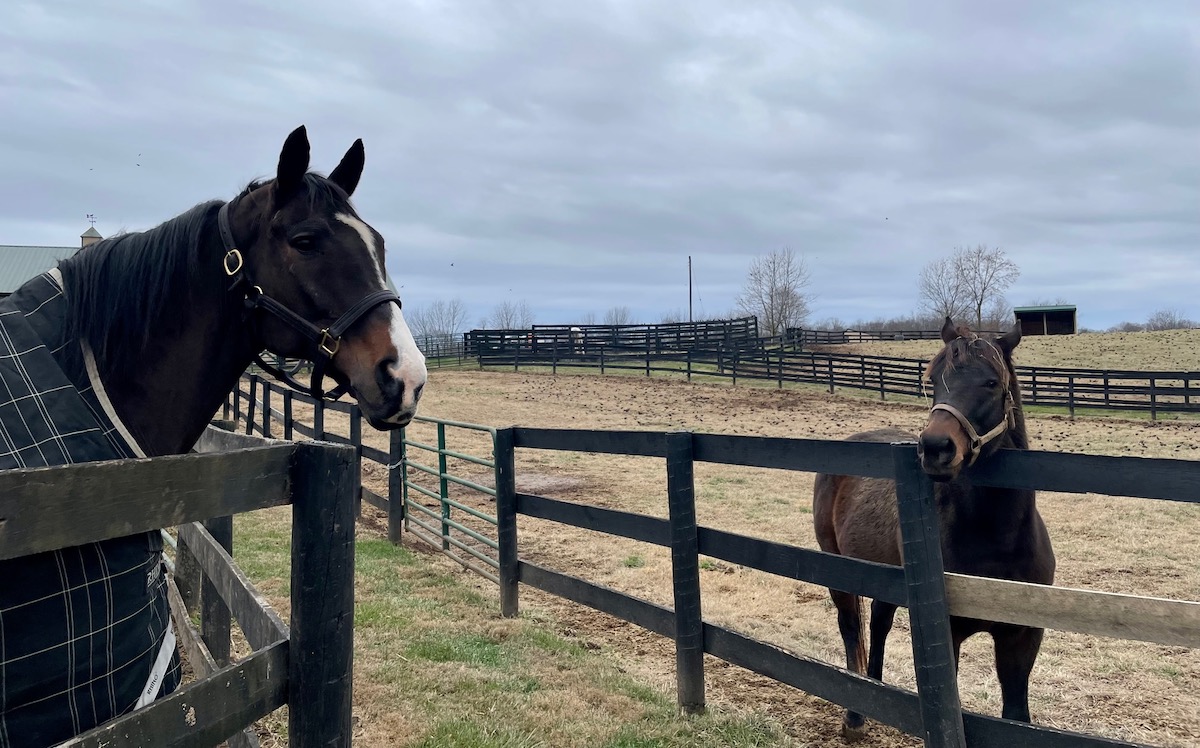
[
  {"x": 588, "y": 319},
  {"x": 618, "y": 315},
  {"x": 510, "y": 315},
  {"x": 941, "y": 290},
  {"x": 672, "y": 317},
  {"x": 775, "y": 292},
  {"x": 984, "y": 274},
  {"x": 441, "y": 318},
  {"x": 1168, "y": 319}
]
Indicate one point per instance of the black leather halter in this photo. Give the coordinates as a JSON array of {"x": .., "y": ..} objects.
[{"x": 325, "y": 340}]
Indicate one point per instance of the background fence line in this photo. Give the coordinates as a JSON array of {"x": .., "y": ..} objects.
[{"x": 1152, "y": 392}]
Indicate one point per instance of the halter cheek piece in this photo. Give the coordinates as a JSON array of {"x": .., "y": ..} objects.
[{"x": 325, "y": 340}]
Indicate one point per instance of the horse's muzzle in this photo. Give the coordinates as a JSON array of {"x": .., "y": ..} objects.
[{"x": 940, "y": 457}]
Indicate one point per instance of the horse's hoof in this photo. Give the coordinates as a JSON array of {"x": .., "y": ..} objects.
[{"x": 853, "y": 734}]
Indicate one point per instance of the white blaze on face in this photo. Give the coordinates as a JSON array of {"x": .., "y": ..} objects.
[{"x": 410, "y": 366}]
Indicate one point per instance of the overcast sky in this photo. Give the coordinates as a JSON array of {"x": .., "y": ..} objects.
[{"x": 573, "y": 154}]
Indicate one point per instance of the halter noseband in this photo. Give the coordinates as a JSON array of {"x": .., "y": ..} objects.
[
  {"x": 325, "y": 340},
  {"x": 977, "y": 441}
]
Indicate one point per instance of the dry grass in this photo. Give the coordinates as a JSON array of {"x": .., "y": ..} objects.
[{"x": 1166, "y": 350}]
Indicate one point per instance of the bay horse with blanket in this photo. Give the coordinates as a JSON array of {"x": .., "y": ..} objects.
[
  {"x": 126, "y": 350},
  {"x": 989, "y": 532}
]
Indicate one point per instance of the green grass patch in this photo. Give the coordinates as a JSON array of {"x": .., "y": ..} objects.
[
  {"x": 634, "y": 562},
  {"x": 433, "y": 654}
]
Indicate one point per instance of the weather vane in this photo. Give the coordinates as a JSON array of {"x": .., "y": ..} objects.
[{"x": 91, "y": 217}]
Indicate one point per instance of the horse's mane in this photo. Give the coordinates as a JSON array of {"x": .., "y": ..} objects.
[
  {"x": 122, "y": 289},
  {"x": 970, "y": 344}
]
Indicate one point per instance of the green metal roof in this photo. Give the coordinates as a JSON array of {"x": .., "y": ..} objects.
[
  {"x": 18, "y": 264},
  {"x": 1063, "y": 308}
]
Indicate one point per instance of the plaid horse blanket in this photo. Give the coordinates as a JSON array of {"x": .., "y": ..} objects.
[{"x": 85, "y": 632}]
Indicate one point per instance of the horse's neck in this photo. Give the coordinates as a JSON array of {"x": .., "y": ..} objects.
[
  {"x": 184, "y": 378},
  {"x": 1003, "y": 515}
]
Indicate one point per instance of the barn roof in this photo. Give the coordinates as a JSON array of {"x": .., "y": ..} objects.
[
  {"x": 20, "y": 263},
  {"x": 1058, "y": 308}
]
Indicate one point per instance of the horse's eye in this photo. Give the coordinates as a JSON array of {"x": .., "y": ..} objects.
[
  {"x": 303, "y": 242},
  {"x": 992, "y": 383}
]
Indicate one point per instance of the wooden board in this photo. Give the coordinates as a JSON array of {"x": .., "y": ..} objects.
[
  {"x": 204, "y": 713},
  {"x": 259, "y": 622},
  {"x": 121, "y": 497},
  {"x": 1148, "y": 619}
]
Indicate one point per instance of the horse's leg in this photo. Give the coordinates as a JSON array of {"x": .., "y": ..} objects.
[
  {"x": 850, "y": 626},
  {"x": 882, "y": 616},
  {"x": 1016, "y": 649}
]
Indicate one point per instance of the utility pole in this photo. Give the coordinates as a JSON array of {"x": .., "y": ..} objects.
[{"x": 689, "y": 288}]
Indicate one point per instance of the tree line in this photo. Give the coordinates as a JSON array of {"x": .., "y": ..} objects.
[{"x": 969, "y": 284}]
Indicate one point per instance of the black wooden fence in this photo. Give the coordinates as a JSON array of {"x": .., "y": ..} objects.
[
  {"x": 307, "y": 665},
  {"x": 1152, "y": 392},
  {"x": 803, "y": 336},
  {"x": 593, "y": 340},
  {"x": 933, "y": 712}
]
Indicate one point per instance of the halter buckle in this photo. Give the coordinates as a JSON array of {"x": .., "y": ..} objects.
[
  {"x": 324, "y": 345},
  {"x": 233, "y": 256}
]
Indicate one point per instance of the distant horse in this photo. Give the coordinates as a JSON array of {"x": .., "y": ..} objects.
[
  {"x": 991, "y": 532},
  {"x": 139, "y": 338}
]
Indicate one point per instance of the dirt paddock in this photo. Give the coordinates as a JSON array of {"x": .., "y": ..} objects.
[{"x": 1110, "y": 687}]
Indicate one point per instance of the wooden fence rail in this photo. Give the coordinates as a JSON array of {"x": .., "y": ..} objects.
[{"x": 308, "y": 663}]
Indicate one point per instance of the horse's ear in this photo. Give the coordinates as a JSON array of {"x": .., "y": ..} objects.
[
  {"x": 347, "y": 173},
  {"x": 1010, "y": 339},
  {"x": 949, "y": 332},
  {"x": 293, "y": 164}
]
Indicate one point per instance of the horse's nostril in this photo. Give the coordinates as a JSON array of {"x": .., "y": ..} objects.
[
  {"x": 418, "y": 391},
  {"x": 936, "y": 444}
]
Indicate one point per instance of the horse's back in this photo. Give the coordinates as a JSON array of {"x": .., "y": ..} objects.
[{"x": 857, "y": 516}]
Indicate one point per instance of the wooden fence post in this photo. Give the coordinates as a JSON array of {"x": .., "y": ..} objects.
[
  {"x": 250, "y": 405},
  {"x": 266, "y": 408},
  {"x": 1153, "y": 401},
  {"x": 689, "y": 364},
  {"x": 356, "y": 440},
  {"x": 685, "y": 573},
  {"x": 829, "y": 361},
  {"x": 506, "y": 521},
  {"x": 396, "y": 506},
  {"x": 933, "y": 655},
  {"x": 215, "y": 618},
  {"x": 321, "y": 652},
  {"x": 289, "y": 415},
  {"x": 1071, "y": 395}
]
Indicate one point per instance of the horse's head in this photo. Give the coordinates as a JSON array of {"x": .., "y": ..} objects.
[
  {"x": 314, "y": 272},
  {"x": 975, "y": 400}
]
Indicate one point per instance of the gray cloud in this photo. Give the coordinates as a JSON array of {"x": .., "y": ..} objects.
[{"x": 578, "y": 153}]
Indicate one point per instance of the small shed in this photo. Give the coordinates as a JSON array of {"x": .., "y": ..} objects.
[{"x": 1046, "y": 320}]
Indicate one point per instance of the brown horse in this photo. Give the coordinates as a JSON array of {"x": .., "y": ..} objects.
[{"x": 991, "y": 532}]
